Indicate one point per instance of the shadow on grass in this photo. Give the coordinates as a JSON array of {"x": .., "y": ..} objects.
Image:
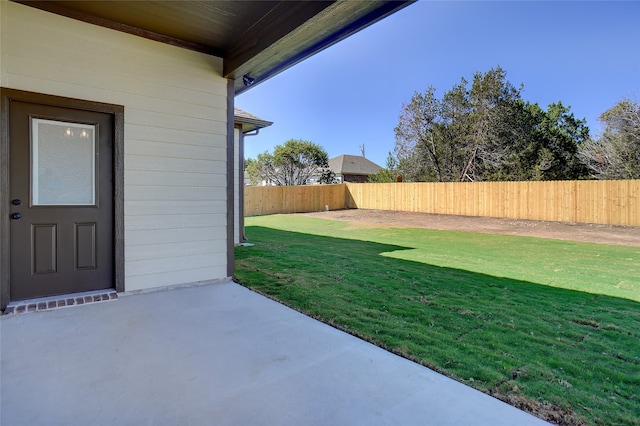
[{"x": 566, "y": 356}]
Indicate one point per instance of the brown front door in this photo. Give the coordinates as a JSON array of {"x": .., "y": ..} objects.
[{"x": 61, "y": 195}]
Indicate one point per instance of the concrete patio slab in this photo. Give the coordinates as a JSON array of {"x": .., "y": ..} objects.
[{"x": 217, "y": 354}]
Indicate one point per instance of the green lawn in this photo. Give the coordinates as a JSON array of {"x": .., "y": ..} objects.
[{"x": 550, "y": 326}]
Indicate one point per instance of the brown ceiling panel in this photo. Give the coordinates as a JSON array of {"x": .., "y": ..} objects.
[
  {"x": 256, "y": 38},
  {"x": 210, "y": 23},
  {"x": 205, "y": 26},
  {"x": 330, "y": 25}
]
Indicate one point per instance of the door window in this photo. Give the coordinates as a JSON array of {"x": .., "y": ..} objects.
[{"x": 63, "y": 163}]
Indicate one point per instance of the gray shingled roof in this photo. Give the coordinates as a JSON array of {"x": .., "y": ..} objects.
[
  {"x": 249, "y": 121},
  {"x": 353, "y": 165}
]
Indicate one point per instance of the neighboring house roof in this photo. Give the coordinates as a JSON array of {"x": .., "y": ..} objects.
[
  {"x": 249, "y": 122},
  {"x": 353, "y": 165},
  {"x": 257, "y": 39}
]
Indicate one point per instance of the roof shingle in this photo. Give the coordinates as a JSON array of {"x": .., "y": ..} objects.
[{"x": 353, "y": 165}]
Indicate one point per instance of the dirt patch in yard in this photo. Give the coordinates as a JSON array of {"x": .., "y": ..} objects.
[{"x": 604, "y": 234}]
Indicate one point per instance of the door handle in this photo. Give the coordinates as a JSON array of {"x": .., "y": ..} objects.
[{"x": 16, "y": 216}]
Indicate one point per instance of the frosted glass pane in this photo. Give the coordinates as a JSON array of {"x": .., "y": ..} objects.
[{"x": 63, "y": 163}]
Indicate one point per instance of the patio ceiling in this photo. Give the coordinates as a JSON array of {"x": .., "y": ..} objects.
[{"x": 255, "y": 38}]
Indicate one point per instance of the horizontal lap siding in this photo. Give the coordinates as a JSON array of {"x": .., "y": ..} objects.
[{"x": 175, "y": 134}]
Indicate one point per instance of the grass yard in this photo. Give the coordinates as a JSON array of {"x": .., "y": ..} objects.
[{"x": 550, "y": 326}]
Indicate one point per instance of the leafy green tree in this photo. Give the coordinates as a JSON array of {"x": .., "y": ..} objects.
[
  {"x": 616, "y": 153},
  {"x": 560, "y": 135},
  {"x": 327, "y": 176},
  {"x": 495, "y": 103},
  {"x": 459, "y": 137},
  {"x": 256, "y": 169},
  {"x": 455, "y": 132},
  {"x": 487, "y": 132},
  {"x": 432, "y": 141},
  {"x": 417, "y": 145},
  {"x": 388, "y": 174},
  {"x": 290, "y": 164},
  {"x": 541, "y": 145}
]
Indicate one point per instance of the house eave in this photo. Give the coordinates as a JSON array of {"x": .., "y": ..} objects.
[
  {"x": 254, "y": 39},
  {"x": 249, "y": 125},
  {"x": 249, "y": 122},
  {"x": 333, "y": 24}
]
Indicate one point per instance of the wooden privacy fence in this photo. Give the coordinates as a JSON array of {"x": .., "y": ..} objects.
[
  {"x": 601, "y": 202},
  {"x": 261, "y": 200}
]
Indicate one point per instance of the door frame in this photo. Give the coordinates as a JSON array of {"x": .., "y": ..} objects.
[{"x": 117, "y": 112}]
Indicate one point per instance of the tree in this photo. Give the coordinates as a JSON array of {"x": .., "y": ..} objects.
[
  {"x": 616, "y": 153},
  {"x": 487, "y": 132},
  {"x": 290, "y": 164},
  {"x": 252, "y": 170},
  {"x": 432, "y": 136},
  {"x": 458, "y": 137},
  {"x": 495, "y": 104},
  {"x": 541, "y": 145},
  {"x": 417, "y": 138},
  {"x": 327, "y": 176},
  {"x": 388, "y": 174},
  {"x": 560, "y": 135}
]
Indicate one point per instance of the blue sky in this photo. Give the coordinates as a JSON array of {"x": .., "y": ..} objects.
[{"x": 585, "y": 54}]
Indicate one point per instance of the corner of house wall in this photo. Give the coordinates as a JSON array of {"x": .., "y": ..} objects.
[
  {"x": 230, "y": 177},
  {"x": 3, "y": 42}
]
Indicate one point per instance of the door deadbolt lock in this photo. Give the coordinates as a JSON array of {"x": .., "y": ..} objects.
[
  {"x": 16, "y": 216},
  {"x": 16, "y": 202}
]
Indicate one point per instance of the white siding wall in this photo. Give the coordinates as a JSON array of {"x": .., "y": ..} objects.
[{"x": 175, "y": 133}]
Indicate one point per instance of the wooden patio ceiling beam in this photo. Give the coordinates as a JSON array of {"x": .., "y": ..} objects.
[
  {"x": 330, "y": 25},
  {"x": 90, "y": 18}
]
